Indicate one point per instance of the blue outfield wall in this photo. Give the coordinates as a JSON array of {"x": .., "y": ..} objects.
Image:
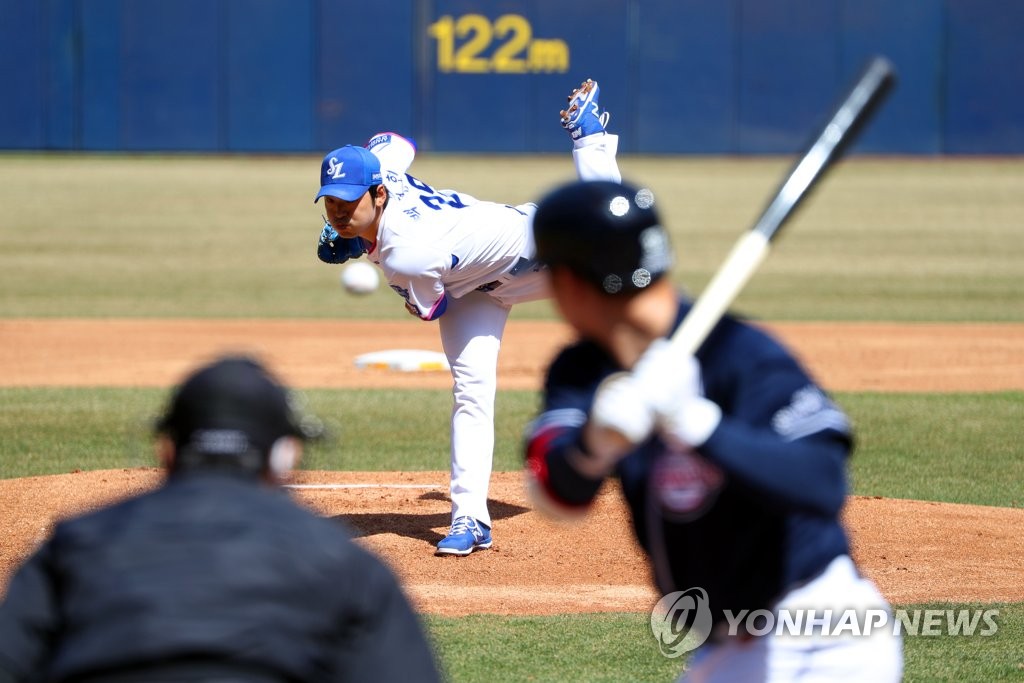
[{"x": 679, "y": 76}]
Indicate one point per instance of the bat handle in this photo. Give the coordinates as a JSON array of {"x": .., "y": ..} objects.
[{"x": 739, "y": 266}]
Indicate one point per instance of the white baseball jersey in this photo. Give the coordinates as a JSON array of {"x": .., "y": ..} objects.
[
  {"x": 437, "y": 242},
  {"x": 433, "y": 244}
]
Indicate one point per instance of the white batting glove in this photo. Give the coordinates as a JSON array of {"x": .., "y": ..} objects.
[
  {"x": 671, "y": 383},
  {"x": 620, "y": 405},
  {"x": 620, "y": 419}
]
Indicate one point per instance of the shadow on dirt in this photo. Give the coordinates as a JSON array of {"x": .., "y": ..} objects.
[{"x": 419, "y": 527}]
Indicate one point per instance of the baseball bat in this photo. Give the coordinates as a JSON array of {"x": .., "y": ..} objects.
[{"x": 848, "y": 119}]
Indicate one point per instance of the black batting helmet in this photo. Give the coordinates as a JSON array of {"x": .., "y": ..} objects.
[
  {"x": 228, "y": 415},
  {"x": 609, "y": 233}
]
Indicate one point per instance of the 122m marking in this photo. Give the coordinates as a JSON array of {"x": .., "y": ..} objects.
[{"x": 516, "y": 50}]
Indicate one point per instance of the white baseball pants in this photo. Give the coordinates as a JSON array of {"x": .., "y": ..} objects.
[
  {"x": 471, "y": 330},
  {"x": 813, "y": 658}
]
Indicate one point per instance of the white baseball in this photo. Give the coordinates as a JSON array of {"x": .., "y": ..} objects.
[{"x": 359, "y": 278}]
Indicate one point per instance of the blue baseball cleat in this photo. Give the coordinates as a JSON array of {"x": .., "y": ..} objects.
[
  {"x": 465, "y": 536},
  {"x": 583, "y": 117}
]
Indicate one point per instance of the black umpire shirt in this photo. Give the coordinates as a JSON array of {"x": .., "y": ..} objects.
[{"x": 209, "y": 577}]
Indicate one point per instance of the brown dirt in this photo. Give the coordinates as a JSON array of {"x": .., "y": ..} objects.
[
  {"x": 914, "y": 550},
  {"x": 114, "y": 352}
]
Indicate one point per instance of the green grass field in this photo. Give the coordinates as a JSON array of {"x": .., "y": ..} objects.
[
  {"x": 185, "y": 236},
  {"x": 235, "y": 236},
  {"x": 906, "y": 446}
]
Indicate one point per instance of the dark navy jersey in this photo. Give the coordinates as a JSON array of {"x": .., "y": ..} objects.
[{"x": 748, "y": 515}]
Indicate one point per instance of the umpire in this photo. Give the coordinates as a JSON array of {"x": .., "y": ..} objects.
[{"x": 217, "y": 575}]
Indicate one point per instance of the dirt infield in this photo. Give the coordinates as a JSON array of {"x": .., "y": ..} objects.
[
  {"x": 844, "y": 356},
  {"x": 914, "y": 550}
]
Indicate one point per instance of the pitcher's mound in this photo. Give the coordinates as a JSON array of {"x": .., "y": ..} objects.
[{"x": 915, "y": 551}]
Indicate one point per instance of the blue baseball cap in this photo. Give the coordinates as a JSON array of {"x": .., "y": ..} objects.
[{"x": 348, "y": 172}]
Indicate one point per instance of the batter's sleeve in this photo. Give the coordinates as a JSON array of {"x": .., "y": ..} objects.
[
  {"x": 553, "y": 439},
  {"x": 783, "y": 437},
  {"x": 594, "y": 156}
]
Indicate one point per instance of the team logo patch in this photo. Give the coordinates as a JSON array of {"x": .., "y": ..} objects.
[
  {"x": 685, "y": 484},
  {"x": 809, "y": 411},
  {"x": 334, "y": 168},
  {"x": 612, "y": 284},
  {"x": 641, "y": 277}
]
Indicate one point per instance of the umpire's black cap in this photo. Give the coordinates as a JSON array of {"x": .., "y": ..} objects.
[
  {"x": 607, "y": 232},
  {"x": 229, "y": 414}
]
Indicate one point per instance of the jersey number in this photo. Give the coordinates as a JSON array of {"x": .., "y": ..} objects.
[{"x": 434, "y": 199}]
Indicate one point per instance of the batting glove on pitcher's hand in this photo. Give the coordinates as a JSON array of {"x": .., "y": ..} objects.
[
  {"x": 333, "y": 248},
  {"x": 671, "y": 383}
]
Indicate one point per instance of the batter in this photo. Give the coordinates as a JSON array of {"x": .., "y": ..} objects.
[{"x": 732, "y": 461}]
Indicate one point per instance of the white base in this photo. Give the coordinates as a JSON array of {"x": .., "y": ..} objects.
[{"x": 403, "y": 360}]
